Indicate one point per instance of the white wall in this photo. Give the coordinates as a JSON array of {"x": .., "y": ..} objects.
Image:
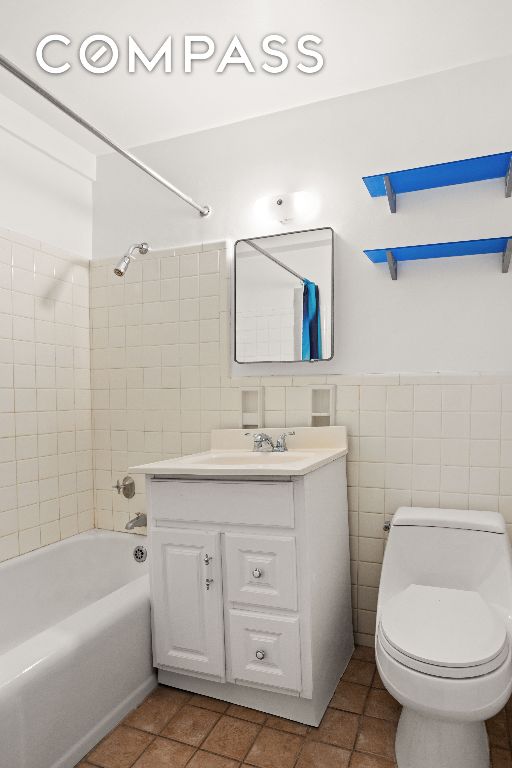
[
  {"x": 45, "y": 182},
  {"x": 441, "y": 315}
]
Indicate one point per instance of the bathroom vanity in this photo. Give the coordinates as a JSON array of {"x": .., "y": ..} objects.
[{"x": 250, "y": 571}]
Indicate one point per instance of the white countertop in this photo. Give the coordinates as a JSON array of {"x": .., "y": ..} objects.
[{"x": 232, "y": 455}]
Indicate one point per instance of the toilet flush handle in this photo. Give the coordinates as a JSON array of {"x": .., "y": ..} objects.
[{"x": 387, "y": 526}]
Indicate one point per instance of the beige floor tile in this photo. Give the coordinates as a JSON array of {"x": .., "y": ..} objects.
[
  {"x": 364, "y": 653},
  {"x": 121, "y": 748},
  {"x": 497, "y": 731},
  {"x": 360, "y": 672},
  {"x": 500, "y": 758},
  {"x": 382, "y": 705},
  {"x": 232, "y": 738},
  {"x": 318, "y": 755},
  {"x": 377, "y": 737},
  {"x": 274, "y": 749},
  {"x": 360, "y": 760},
  {"x": 244, "y": 713},
  {"x": 155, "y": 712},
  {"x": 207, "y": 760},
  {"x": 338, "y": 728},
  {"x": 205, "y": 702},
  {"x": 349, "y": 697},
  {"x": 164, "y": 753},
  {"x": 288, "y": 726},
  {"x": 191, "y": 725}
]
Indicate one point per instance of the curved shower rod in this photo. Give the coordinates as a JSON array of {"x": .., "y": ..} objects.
[{"x": 204, "y": 210}]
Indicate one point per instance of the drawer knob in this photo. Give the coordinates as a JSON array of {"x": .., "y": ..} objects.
[
  {"x": 257, "y": 573},
  {"x": 260, "y": 655},
  {"x": 208, "y": 583}
]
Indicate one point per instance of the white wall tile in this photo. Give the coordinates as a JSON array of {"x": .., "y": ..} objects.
[
  {"x": 427, "y": 424},
  {"x": 484, "y": 480},
  {"x": 456, "y": 397},
  {"x": 485, "y": 397},
  {"x": 400, "y": 398},
  {"x": 485, "y": 425},
  {"x": 373, "y": 398}
]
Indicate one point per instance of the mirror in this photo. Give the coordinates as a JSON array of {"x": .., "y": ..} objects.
[{"x": 284, "y": 297}]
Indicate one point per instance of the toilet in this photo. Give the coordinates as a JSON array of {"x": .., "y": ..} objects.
[{"x": 443, "y": 637}]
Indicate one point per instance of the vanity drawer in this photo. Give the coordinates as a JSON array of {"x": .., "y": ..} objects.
[
  {"x": 261, "y": 570},
  {"x": 223, "y": 501},
  {"x": 265, "y": 649}
]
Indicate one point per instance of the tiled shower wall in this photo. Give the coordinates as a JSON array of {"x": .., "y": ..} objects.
[
  {"x": 46, "y": 479},
  {"x": 160, "y": 364}
]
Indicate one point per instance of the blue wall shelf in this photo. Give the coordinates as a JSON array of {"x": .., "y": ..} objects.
[
  {"x": 501, "y": 245},
  {"x": 441, "y": 175}
]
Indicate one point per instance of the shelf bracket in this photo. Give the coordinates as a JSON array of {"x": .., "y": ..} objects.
[
  {"x": 505, "y": 259},
  {"x": 390, "y": 192},
  {"x": 508, "y": 180},
  {"x": 393, "y": 268}
]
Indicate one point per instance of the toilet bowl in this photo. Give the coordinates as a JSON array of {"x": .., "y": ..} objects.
[{"x": 443, "y": 639}]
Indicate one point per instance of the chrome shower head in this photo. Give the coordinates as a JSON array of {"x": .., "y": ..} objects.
[
  {"x": 123, "y": 263},
  {"x": 121, "y": 266}
]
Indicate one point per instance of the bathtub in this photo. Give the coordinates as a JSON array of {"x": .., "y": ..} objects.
[{"x": 75, "y": 647}]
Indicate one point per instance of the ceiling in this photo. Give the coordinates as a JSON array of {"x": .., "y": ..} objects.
[{"x": 367, "y": 44}]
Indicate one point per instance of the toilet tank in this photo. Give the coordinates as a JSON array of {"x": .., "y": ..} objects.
[{"x": 459, "y": 549}]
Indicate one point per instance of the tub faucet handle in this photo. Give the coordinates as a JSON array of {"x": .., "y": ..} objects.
[{"x": 126, "y": 487}]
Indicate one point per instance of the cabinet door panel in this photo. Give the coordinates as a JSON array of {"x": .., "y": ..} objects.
[
  {"x": 188, "y": 630},
  {"x": 261, "y": 570},
  {"x": 265, "y": 649}
]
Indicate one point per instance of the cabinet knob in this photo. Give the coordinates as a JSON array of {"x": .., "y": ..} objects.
[
  {"x": 257, "y": 573},
  {"x": 260, "y": 655},
  {"x": 208, "y": 582},
  {"x": 207, "y": 559}
]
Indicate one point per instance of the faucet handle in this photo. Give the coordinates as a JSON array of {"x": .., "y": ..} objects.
[
  {"x": 281, "y": 441},
  {"x": 126, "y": 487}
]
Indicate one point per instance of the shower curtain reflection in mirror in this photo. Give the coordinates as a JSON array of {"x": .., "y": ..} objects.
[{"x": 284, "y": 297}]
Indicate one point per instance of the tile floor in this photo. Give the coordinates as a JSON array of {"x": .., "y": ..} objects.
[{"x": 173, "y": 729}]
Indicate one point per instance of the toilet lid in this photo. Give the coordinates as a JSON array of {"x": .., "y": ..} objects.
[{"x": 453, "y": 630}]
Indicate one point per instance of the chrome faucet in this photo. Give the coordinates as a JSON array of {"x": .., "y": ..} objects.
[
  {"x": 281, "y": 446},
  {"x": 139, "y": 521},
  {"x": 262, "y": 442}
]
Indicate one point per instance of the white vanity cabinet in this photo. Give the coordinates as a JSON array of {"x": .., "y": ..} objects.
[{"x": 250, "y": 586}]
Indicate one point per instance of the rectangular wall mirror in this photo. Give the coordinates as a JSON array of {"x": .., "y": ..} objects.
[{"x": 284, "y": 297}]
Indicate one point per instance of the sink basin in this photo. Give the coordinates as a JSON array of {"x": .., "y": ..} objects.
[
  {"x": 231, "y": 455},
  {"x": 244, "y": 458}
]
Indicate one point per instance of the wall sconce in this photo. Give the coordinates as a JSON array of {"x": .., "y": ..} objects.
[
  {"x": 288, "y": 207},
  {"x": 284, "y": 207}
]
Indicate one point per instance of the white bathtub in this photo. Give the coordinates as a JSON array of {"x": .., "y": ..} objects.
[{"x": 75, "y": 647}]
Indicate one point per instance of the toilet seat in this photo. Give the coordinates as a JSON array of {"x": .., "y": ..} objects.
[{"x": 443, "y": 632}]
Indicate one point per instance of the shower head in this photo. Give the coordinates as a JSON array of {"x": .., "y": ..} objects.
[{"x": 123, "y": 263}]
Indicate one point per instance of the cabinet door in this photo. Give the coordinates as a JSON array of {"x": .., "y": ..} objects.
[
  {"x": 186, "y": 587},
  {"x": 265, "y": 649},
  {"x": 261, "y": 570}
]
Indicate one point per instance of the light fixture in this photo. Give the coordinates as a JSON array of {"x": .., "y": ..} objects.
[{"x": 302, "y": 206}]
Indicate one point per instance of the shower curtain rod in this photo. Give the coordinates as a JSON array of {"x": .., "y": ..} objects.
[
  {"x": 276, "y": 261},
  {"x": 204, "y": 210}
]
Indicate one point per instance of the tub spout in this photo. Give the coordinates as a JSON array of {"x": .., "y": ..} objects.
[{"x": 139, "y": 521}]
